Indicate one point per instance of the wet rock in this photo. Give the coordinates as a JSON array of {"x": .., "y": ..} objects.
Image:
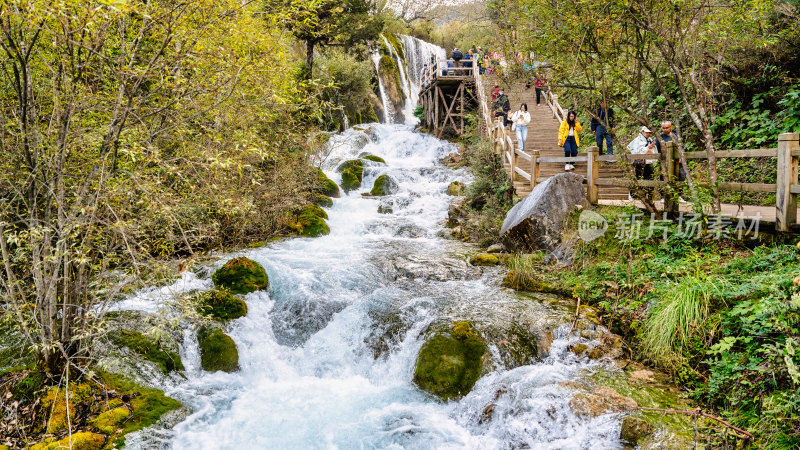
[
  {"x": 372, "y": 131},
  {"x": 634, "y": 429},
  {"x": 449, "y": 363},
  {"x": 326, "y": 186},
  {"x": 578, "y": 349},
  {"x": 574, "y": 385},
  {"x": 351, "y": 178},
  {"x": 373, "y": 158},
  {"x": 456, "y": 215},
  {"x": 496, "y": 248},
  {"x": 217, "y": 350},
  {"x": 310, "y": 222},
  {"x": 384, "y": 185},
  {"x": 603, "y": 399},
  {"x": 221, "y": 305},
  {"x": 380, "y": 113},
  {"x": 484, "y": 259},
  {"x": 385, "y": 209},
  {"x": 167, "y": 361},
  {"x": 298, "y": 318},
  {"x": 242, "y": 276},
  {"x": 410, "y": 231},
  {"x": 457, "y": 189},
  {"x": 390, "y": 75},
  {"x": 536, "y": 222}
]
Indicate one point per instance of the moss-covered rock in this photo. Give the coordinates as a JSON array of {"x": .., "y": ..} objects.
[
  {"x": 241, "y": 276},
  {"x": 634, "y": 429},
  {"x": 578, "y": 348},
  {"x": 217, "y": 350},
  {"x": 109, "y": 421},
  {"x": 322, "y": 200},
  {"x": 221, "y": 305},
  {"x": 350, "y": 164},
  {"x": 456, "y": 189},
  {"x": 396, "y": 45},
  {"x": 373, "y": 158},
  {"x": 138, "y": 343},
  {"x": 393, "y": 86},
  {"x": 384, "y": 185},
  {"x": 147, "y": 404},
  {"x": 484, "y": 259},
  {"x": 310, "y": 221},
  {"x": 54, "y": 405},
  {"x": 326, "y": 186},
  {"x": 351, "y": 178},
  {"x": 449, "y": 364},
  {"x": 82, "y": 440}
]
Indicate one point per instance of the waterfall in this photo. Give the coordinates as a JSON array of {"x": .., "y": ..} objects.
[{"x": 388, "y": 110}]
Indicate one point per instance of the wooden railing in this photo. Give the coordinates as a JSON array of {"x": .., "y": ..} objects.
[
  {"x": 446, "y": 68},
  {"x": 552, "y": 102},
  {"x": 527, "y": 167}
]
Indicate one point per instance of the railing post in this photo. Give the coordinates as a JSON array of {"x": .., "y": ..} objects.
[
  {"x": 514, "y": 163},
  {"x": 786, "y": 208},
  {"x": 669, "y": 162},
  {"x": 555, "y": 105},
  {"x": 592, "y": 174},
  {"x": 534, "y": 167}
]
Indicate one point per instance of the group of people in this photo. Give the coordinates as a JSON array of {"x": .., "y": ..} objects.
[{"x": 473, "y": 54}]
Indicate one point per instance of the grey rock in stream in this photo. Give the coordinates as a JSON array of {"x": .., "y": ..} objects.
[{"x": 536, "y": 222}]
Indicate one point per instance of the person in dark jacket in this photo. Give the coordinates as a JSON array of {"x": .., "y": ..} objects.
[
  {"x": 501, "y": 107},
  {"x": 669, "y": 135},
  {"x": 601, "y": 127},
  {"x": 457, "y": 56}
]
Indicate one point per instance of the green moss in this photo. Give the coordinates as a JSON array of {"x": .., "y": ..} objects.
[
  {"x": 31, "y": 384},
  {"x": 351, "y": 178},
  {"x": 389, "y": 67},
  {"x": 167, "y": 361},
  {"x": 326, "y": 186},
  {"x": 382, "y": 186},
  {"x": 374, "y": 158},
  {"x": 83, "y": 440},
  {"x": 449, "y": 364},
  {"x": 349, "y": 164},
  {"x": 322, "y": 200},
  {"x": 54, "y": 405},
  {"x": 395, "y": 43},
  {"x": 109, "y": 421},
  {"x": 217, "y": 351},
  {"x": 484, "y": 259},
  {"x": 241, "y": 276},
  {"x": 456, "y": 188},
  {"x": 221, "y": 305},
  {"x": 310, "y": 221},
  {"x": 148, "y": 404}
]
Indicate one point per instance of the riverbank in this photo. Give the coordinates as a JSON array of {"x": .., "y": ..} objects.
[{"x": 720, "y": 316}]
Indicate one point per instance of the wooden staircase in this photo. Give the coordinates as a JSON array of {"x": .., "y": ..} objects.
[{"x": 543, "y": 136}]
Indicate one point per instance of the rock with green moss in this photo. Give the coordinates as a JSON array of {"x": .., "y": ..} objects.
[
  {"x": 326, "y": 186},
  {"x": 147, "y": 404},
  {"x": 484, "y": 259},
  {"x": 634, "y": 429},
  {"x": 109, "y": 421},
  {"x": 457, "y": 189},
  {"x": 241, "y": 276},
  {"x": 82, "y": 440},
  {"x": 221, "y": 305},
  {"x": 351, "y": 178},
  {"x": 372, "y": 158},
  {"x": 322, "y": 200},
  {"x": 450, "y": 363},
  {"x": 135, "y": 341},
  {"x": 384, "y": 185},
  {"x": 310, "y": 221},
  {"x": 350, "y": 164},
  {"x": 54, "y": 405},
  {"x": 217, "y": 350}
]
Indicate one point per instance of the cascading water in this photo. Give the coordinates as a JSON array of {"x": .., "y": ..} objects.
[
  {"x": 327, "y": 356},
  {"x": 388, "y": 110}
]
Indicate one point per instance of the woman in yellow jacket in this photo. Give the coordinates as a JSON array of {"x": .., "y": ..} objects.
[{"x": 568, "y": 137}]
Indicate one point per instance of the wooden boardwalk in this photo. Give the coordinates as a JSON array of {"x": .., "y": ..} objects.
[{"x": 543, "y": 136}]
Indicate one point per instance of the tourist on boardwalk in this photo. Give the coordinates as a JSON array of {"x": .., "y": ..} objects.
[
  {"x": 668, "y": 134},
  {"x": 479, "y": 57},
  {"x": 568, "y": 137},
  {"x": 520, "y": 120},
  {"x": 457, "y": 56},
  {"x": 495, "y": 91},
  {"x": 539, "y": 85},
  {"x": 602, "y": 124},
  {"x": 643, "y": 144},
  {"x": 502, "y": 106}
]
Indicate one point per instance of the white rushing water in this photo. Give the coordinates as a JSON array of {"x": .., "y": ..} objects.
[
  {"x": 309, "y": 374},
  {"x": 388, "y": 110}
]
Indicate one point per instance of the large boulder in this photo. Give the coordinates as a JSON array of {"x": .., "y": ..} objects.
[
  {"x": 602, "y": 400},
  {"x": 217, "y": 350},
  {"x": 241, "y": 276},
  {"x": 634, "y": 429},
  {"x": 449, "y": 363},
  {"x": 352, "y": 174},
  {"x": 536, "y": 222},
  {"x": 384, "y": 185},
  {"x": 326, "y": 186},
  {"x": 456, "y": 189}
]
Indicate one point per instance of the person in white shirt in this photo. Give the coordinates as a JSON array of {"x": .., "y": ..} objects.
[
  {"x": 520, "y": 120},
  {"x": 642, "y": 145}
]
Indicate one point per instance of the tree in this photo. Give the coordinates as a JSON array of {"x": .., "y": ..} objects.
[{"x": 328, "y": 22}]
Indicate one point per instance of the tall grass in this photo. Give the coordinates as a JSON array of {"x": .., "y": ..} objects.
[{"x": 678, "y": 317}]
